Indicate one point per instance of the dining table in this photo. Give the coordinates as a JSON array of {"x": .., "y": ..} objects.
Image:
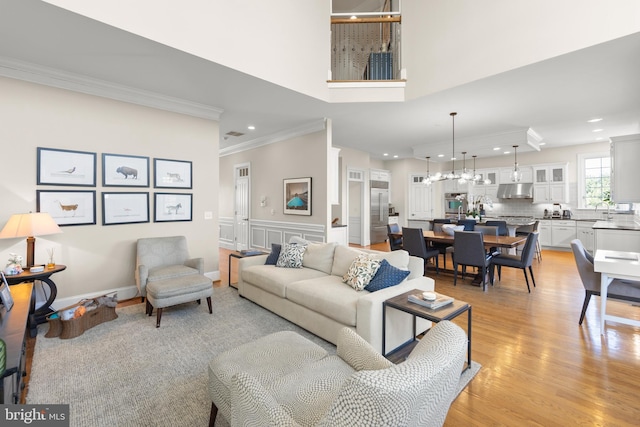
[{"x": 490, "y": 241}]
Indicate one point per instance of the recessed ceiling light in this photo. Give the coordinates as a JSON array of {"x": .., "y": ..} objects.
[
  {"x": 395, "y": 156},
  {"x": 440, "y": 155},
  {"x": 251, "y": 127},
  {"x": 496, "y": 148},
  {"x": 597, "y": 130},
  {"x": 594, "y": 120},
  {"x": 507, "y": 152},
  {"x": 385, "y": 154}
]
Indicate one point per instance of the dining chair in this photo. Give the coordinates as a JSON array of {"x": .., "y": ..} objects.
[
  {"x": 469, "y": 224},
  {"x": 625, "y": 290},
  {"x": 492, "y": 231},
  {"x": 522, "y": 261},
  {"x": 442, "y": 248},
  {"x": 395, "y": 241},
  {"x": 468, "y": 249},
  {"x": 413, "y": 242},
  {"x": 525, "y": 231},
  {"x": 502, "y": 226}
]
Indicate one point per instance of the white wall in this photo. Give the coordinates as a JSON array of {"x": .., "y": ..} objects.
[{"x": 100, "y": 258}]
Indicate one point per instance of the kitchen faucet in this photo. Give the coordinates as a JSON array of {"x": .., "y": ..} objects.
[{"x": 609, "y": 216}]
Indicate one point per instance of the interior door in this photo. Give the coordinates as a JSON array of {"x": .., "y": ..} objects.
[{"x": 241, "y": 228}]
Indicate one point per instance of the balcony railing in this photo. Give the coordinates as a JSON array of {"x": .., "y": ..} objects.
[{"x": 365, "y": 48}]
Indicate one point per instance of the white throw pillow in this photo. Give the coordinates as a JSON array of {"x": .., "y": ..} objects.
[
  {"x": 450, "y": 229},
  {"x": 291, "y": 256},
  {"x": 343, "y": 256},
  {"x": 361, "y": 271}
]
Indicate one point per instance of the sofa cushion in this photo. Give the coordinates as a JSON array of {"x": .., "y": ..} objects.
[
  {"x": 342, "y": 258},
  {"x": 170, "y": 272},
  {"x": 386, "y": 276},
  {"x": 319, "y": 256},
  {"x": 272, "y": 259},
  {"x": 361, "y": 271},
  {"x": 291, "y": 256},
  {"x": 327, "y": 295},
  {"x": 275, "y": 280},
  {"x": 398, "y": 259}
]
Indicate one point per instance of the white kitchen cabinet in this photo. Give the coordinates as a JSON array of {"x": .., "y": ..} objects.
[
  {"x": 617, "y": 240},
  {"x": 544, "y": 230},
  {"x": 379, "y": 175},
  {"x": 550, "y": 183},
  {"x": 506, "y": 173},
  {"x": 625, "y": 152},
  {"x": 562, "y": 233},
  {"x": 586, "y": 234}
]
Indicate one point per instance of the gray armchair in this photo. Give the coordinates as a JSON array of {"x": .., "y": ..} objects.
[
  {"x": 356, "y": 387},
  {"x": 625, "y": 290}
]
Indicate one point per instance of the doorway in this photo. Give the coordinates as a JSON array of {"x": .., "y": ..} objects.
[
  {"x": 242, "y": 211},
  {"x": 355, "y": 206}
]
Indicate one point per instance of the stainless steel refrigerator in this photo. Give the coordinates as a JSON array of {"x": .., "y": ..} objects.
[{"x": 379, "y": 211}]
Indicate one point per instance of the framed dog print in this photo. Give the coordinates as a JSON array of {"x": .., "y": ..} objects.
[
  {"x": 66, "y": 167},
  {"x": 125, "y": 171},
  {"x": 172, "y": 207},
  {"x": 172, "y": 173},
  {"x": 297, "y": 196}
]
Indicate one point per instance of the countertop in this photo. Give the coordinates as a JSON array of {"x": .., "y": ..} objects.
[{"x": 613, "y": 225}]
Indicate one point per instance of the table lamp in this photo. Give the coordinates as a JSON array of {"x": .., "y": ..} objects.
[{"x": 29, "y": 225}]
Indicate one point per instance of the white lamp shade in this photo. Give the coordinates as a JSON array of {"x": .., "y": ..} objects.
[{"x": 29, "y": 224}]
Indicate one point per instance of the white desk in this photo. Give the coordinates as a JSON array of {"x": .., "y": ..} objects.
[{"x": 615, "y": 265}]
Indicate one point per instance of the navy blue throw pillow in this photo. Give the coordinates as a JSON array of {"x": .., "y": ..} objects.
[
  {"x": 387, "y": 276},
  {"x": 273, "y": 256}
]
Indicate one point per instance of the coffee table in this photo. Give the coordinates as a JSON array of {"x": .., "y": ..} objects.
[{"x": 448, "y": 312}]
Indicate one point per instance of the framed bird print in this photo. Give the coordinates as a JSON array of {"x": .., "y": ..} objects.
[
  {"x": 297, "y": 196},
  {"x": 66, "y": 167}
]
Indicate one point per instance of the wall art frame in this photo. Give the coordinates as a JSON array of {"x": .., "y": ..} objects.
[
  {"x": 5, "y": 293},
  {"x": 172, "y": 173},
  {"x": 120, "y": 170},
  {"x": 297, "y": 196},
  {"x": 124, "y": 208},
  {"x": 169, "y": 207},
  {"x": 66, "y": 167},
  {"x": 68, "y": 207}
]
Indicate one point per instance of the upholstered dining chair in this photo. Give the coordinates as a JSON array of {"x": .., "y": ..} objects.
[
  {"x": 414, "y": 243},
  {"x": 625, "y": 290},
  {"x": 525, "y": 231},
  {"x": 443, "y": 248},
  {"x": 522, "y": 261},
  {"x": 469, "y": 224},
  {"x": 492, "y": 231},
  {"x": 468, "y": 250},
  {"x": 395, "y": 241},
  {"x": 502, "y": 226}
]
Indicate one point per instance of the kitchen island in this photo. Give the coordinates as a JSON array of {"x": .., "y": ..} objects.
[{"x": 617, "y": 235}]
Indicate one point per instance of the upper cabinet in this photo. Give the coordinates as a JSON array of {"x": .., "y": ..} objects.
[
  {"x": 379, "y": 175},
  {"x": 506, "y": 173},
  {"x": 625, "y": 152},
  {"x": 550, "y": 183}
]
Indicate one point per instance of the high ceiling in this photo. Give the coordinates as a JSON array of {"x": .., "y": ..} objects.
[{"x": 554, "y": 98}]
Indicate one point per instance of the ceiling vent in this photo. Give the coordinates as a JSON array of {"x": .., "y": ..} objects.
[{"x": 234, "y": 133}]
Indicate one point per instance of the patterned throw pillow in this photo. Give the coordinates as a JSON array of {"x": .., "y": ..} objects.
[
  {"x": 291, "y": 256},
  {"x": 387, "y": 276},
  {"x": 361, "y": 271},
  {"x": 272, "y": 259}
]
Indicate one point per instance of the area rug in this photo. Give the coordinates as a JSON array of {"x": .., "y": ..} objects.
[{"x": 128, "y": 372}]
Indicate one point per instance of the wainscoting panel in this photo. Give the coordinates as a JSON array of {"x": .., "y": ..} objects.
[
  {"x": 226, "y": 233},
  {"x": 263, "y": 233},
  {"x": 258, "y": 238}
]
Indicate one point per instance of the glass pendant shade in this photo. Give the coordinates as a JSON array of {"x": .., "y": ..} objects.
[{"x": 516, "y": 175}]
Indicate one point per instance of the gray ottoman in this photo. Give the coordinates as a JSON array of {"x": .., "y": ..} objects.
[
  {"x": 177, "y": 290},
  {"x": 267, "y": 359}
]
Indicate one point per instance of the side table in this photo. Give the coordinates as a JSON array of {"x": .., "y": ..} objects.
[
  {"x": 239, "y": 255},
  {"x": 448, "y": 312},
  {"x": 39, "y": 315}
]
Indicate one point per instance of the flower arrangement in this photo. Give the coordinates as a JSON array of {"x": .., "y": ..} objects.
[
  {"x": 14, "y": 266},
  {"x": 478, "y": 204}
]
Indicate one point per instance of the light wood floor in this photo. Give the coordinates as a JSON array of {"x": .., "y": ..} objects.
[{"x": 538, "y": 366}]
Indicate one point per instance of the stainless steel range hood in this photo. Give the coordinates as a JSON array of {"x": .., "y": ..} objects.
[{"x": 516, "y": 191}]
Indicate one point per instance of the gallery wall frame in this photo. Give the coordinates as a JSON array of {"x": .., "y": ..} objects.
[
  {"x": 172, "y": 173},
  {"x": 65, "y": 167},
  {"x": 124, "y": 208},
  {"x": 68, "y": 207},
  {"x": 120, "y": 170},
  {"x": 297, "y": 196},
  {"x": 173, "y": 207}
]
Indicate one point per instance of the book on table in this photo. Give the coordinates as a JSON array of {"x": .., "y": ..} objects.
[{"x": 440, "y": 301}]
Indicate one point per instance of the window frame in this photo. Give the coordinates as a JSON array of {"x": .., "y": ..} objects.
[{"x": 582, "y": 157}]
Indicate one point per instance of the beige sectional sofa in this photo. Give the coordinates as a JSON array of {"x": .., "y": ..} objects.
[{"x": 316, "y": 298}]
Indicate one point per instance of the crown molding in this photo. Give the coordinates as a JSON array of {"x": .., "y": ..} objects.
[
  {"x": 304, "y": 129},
  {"x": 74, "y": 82}
]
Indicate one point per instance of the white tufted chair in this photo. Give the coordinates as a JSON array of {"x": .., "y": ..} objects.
[{"x": 358, "y": 387}]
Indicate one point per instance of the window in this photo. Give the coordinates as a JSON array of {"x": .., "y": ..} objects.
[{"x": 594, "y": 182}]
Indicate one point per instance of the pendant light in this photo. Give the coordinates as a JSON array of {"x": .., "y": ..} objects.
[
  {"x": 453, "y": 175},
  {"x": 427, "y": 179},
  {"x": 465, "y": 175},
  {"x": 516, "y": 175},
  {"x": 477, "y": 177}
]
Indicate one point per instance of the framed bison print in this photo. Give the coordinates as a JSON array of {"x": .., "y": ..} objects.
[
  {"x": 66, "y": 167},
  {"x": 172, "y": 173},
  {"x": 120, "y": 170},
  {"x": 74, "y": 207}
]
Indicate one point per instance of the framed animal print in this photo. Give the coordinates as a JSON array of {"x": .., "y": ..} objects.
[
  {"x": 173, "y": 207},
  {"x": 172, "y": 173},
  {"x": 120, "y": 170},
  {"x": 73, "y": 207},
  {"x": 125, "y": 208},
  {"x": 66, "y": 167}
]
